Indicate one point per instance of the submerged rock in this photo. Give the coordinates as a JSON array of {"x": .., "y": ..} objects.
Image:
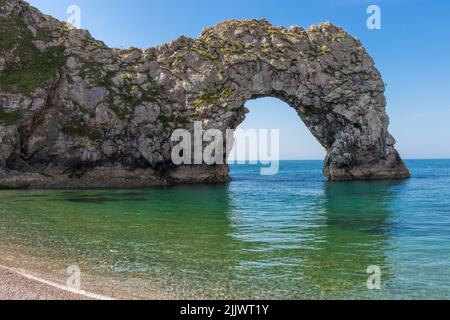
[{"x": 75, "y": 113}]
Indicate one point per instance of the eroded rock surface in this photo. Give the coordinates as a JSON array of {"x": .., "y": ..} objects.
[{"x": 75, "y": 113}]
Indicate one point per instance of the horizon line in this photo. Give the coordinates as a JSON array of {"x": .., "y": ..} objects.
[{"x": 253, "y": 160}]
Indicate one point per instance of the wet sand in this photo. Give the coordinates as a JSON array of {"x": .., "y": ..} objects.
[{"x": 15, "y": 285}]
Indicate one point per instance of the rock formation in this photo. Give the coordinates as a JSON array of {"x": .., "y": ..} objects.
[{"x": 75, "y": 113}]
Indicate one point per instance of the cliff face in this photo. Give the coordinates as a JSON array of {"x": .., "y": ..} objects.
[{"x": 75, "y": 113}]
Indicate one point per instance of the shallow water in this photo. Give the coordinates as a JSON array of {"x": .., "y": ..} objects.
[{"x": 291, "y": 236}]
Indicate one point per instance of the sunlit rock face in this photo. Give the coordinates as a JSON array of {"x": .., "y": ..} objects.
[{"x": 75, "y": 113}]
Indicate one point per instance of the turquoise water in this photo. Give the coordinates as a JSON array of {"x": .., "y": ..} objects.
[{"x": 289, "y": 236}]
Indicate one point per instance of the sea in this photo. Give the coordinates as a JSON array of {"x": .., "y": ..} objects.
[{"x": 288, "y": 236}]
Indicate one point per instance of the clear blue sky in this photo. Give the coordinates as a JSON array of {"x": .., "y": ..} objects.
[{"x": 412, "y": 51}]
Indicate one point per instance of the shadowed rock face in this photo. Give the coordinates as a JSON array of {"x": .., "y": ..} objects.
[{"x": 75, "y": 113}]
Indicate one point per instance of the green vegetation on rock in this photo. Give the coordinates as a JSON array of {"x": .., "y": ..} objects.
[
  {"x": 206, "y": 54},
  {"x": 271, "y": 31},
  {"x": 166, "y": 120},
  {"x": 9, "y": 118},
  {"x": 122, "y": 112},
  {"x": 79, "y": 128},
  {"x": 235, "y": 47},
  {"x": 91, "y": 69},
  {"x": 172, "y": 119},
  {"x": 33, "y": 67},
  {"x": 324, "y": 49},
  {"x": 134, "y": 95},
  {"x": 106, "y": 81},
  {"x": 210, "y": 98},
  {"x": 44, "y": 35},
  {"x": 96, "y": 71}
]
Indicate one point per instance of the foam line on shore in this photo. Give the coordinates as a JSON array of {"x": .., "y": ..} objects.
[{"x": 57, "y": 285}]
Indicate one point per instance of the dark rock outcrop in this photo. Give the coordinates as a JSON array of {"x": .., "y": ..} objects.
[{"x": 75, "y": 113}]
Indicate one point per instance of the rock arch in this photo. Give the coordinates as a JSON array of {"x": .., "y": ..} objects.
[
  {"x": 323, "y": 73},
  {"x": 104, "y": 117}
]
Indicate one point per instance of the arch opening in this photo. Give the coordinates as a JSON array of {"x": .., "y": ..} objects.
[{"x": 268, "y": 114}]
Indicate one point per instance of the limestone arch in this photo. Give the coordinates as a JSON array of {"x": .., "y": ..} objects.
[
  {"x": 323, "y": 73},
  {"x": 103, "y": 117}
]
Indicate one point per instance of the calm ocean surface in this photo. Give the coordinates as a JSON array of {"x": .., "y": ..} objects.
[{"x": 290, "y": 236}]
